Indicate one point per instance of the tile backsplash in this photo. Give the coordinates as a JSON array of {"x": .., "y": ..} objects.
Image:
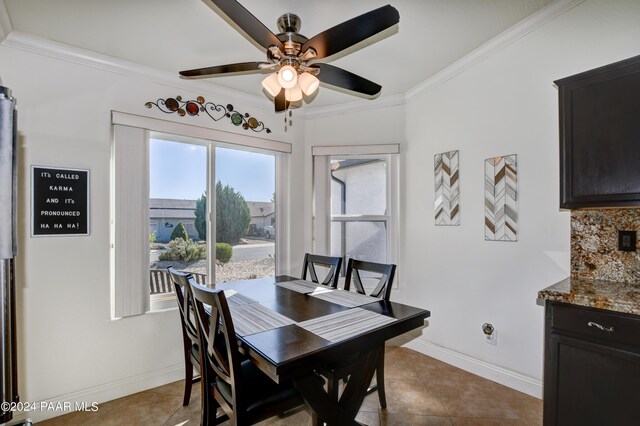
[{"x": 594, "y": 245}]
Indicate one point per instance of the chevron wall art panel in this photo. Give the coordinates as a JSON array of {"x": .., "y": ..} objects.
[
  {"x": 447, "y": 185},
  {"x": 501, "y": 198}
]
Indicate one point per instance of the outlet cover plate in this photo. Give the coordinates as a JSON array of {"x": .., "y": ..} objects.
[{"x": 627, "y": 240}]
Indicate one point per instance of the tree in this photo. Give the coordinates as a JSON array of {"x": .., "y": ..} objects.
[
  {"x": 179, "y": 232},
  {"x": 201, "y": 217},
  {"x": 232, "y": 215}
]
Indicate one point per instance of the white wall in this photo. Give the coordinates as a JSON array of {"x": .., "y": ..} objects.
[
  {"x": 504, "y": 104},
  {"x": 69, "y": 347}
]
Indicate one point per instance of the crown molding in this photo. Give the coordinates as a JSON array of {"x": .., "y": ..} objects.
[
  {"x": 499, "y": 42},
  {"x": 40, "y": 46},
  {"x": 5, "y": 22},
  {"x": 359, "y": 105}
]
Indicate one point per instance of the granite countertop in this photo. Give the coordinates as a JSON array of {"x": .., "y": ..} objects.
[{"x": 609, "y": 295}]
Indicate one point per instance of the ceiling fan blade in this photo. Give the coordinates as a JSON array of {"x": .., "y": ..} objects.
[
  {"x": 280, "y": 102},
  {"x": 341, "y": 78},
  {"x": 246, "y": 22},
  {"x": 353, "y": 31},
  {"x": 223, "y": 69}
]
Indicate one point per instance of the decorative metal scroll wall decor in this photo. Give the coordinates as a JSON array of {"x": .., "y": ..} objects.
[
  {"x": 501, "y": 198},
  {"x": 214, "y": 111},
  {"x": 447, "y": 187}
]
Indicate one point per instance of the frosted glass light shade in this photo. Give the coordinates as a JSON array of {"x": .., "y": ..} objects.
[
  {"x": 271, "y": 85},
  {"x": 308, "y": 83},
  {"x": 293, "y": 95},
  {"x": 287, "y": 77}
]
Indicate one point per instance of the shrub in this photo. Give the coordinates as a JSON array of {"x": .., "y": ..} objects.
[
  {"x": 223, "y": 252},
  {"x": 181, "y": 249},
  {"x": 152, "y": 238},
  {"x": 179, "y": 232},
  {"x": 232, "y": 215}
]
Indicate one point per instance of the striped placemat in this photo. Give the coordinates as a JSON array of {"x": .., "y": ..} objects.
[
  {"x": 345, "y": 324},
  {"x": 254, "y": 318},
  {"x": 301, "y": 286},
  {"x": 236, "y": 299},
  {"x": 345, "y": 298}
]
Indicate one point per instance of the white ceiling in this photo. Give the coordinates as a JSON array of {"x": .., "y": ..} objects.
[{"x": 173, "y": 35}]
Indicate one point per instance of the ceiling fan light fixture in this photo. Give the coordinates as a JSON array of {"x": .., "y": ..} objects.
[
  {"x": 294, "y": 94},
  {"x": 287, "y": 77},
  {"x": 308, "y": 83},
  {"x": 271, "y": 85}
]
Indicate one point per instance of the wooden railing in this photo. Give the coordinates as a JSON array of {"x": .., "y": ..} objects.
[{"x": 160, "y": 281}]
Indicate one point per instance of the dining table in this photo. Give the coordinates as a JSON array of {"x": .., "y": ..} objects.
[{"x": 292, "y": 329}]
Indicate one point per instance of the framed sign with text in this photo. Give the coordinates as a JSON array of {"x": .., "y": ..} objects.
[{"x": 59, "y": 201}]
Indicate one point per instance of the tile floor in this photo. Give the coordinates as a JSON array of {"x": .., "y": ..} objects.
[{"x": 420, "y": 391}]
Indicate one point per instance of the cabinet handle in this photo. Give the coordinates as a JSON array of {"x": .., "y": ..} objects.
[{"x": 595, "y": 324}]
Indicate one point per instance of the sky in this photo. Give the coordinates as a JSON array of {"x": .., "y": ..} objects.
[{"x": 179, "y": 170}]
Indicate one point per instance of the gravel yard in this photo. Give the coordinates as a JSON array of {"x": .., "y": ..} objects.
[{"x": 232, "y": 271}]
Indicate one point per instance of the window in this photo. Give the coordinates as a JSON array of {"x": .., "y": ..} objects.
[
  {"x": 359, "y": 213},
  {"x": 177, "y": 212},
  {"x": 165, "y": 187},
  {"x": 248, "y": 178},
  {"x": 243, "y": 241},
  {"x": 355, "y": 202}
]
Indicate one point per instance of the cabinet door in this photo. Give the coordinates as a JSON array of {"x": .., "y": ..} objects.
[
  {"x": 599, "y": 133},
  {"x": 593, "y": 384}
]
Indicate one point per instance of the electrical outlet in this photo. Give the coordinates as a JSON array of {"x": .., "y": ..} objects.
[{"x": 492, "y": 338}]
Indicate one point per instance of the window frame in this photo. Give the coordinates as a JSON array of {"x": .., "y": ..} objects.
[
  {"x": 322, "y": 215},
  {"x": 211, "y": 138}
]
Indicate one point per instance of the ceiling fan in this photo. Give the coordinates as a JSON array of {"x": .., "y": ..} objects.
[{"x": 290, "y": 54}]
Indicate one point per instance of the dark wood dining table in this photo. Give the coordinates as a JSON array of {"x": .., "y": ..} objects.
[{"x": 294, "y": 333}]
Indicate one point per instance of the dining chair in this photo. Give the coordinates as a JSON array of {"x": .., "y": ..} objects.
[
  {"x": 334, "y": 263},
  {"x": 189, "y": 330},
  {"x": 382, "y": 290},
  {"x": 243, "y": 392}
]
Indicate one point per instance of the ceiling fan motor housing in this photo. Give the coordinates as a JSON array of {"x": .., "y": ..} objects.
[{"x": 289, "y": 25}]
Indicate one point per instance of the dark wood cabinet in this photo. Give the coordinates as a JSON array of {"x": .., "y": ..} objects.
[
  {"x": 600, "y": 136},
  {"x": 592, "y": 367}
]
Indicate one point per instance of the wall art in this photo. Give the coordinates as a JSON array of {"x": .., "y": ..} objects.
[
  {"x": 216, "y": 112},
  {"x": 501, "y": 198},
  {"x": 447, "y": 188},
  {"x": 59, "y": 201}
]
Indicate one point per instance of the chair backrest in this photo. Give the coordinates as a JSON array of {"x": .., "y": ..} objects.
[
  {"x": 383, "y": 289},
  {"x": 334, "y": 263},
  {"x": 218, "y": 343},
  {"x": 185, "y": 303}
]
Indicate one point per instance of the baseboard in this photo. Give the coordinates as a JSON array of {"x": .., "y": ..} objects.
[
  {"x": 106, "y": 392},
  {"x": 478, "y": 367}
]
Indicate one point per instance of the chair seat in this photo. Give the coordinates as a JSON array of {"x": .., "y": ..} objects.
[{"x": 262, "y": 391}]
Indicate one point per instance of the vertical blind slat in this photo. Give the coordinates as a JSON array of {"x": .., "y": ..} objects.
[{"x": 130, "y": 221}]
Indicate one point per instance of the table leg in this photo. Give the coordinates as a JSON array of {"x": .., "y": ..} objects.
[{"x": 344, "y": 411}]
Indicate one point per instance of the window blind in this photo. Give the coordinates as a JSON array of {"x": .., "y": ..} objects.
[{"x": 130, "y": 221}]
